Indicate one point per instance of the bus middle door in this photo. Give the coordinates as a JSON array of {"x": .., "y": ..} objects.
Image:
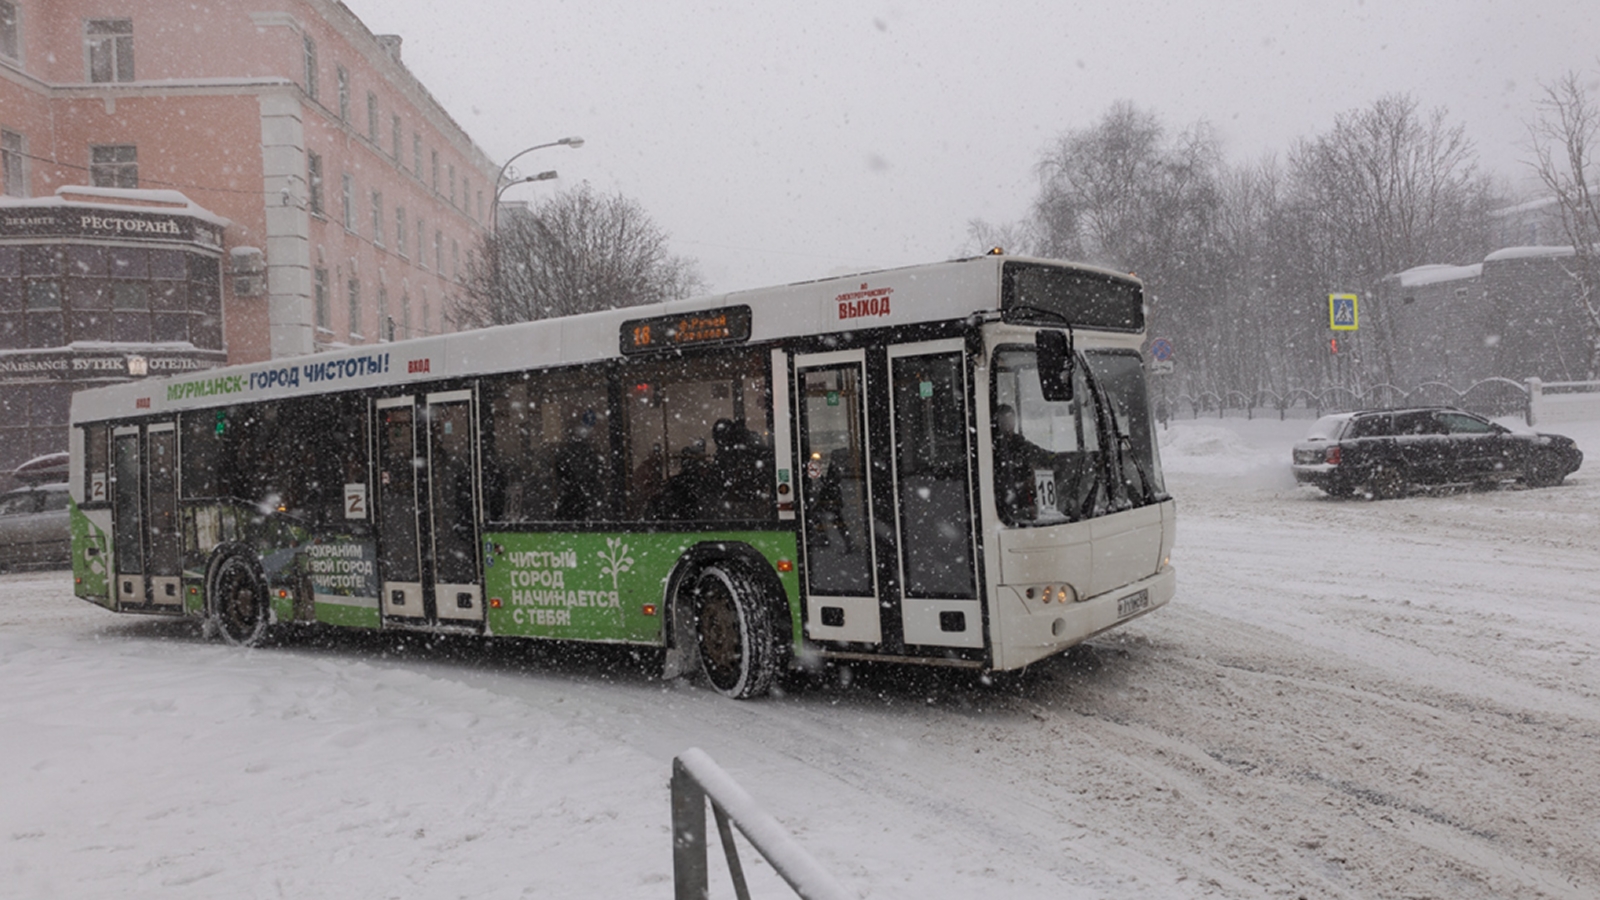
[{"x": 427, "y": 510}]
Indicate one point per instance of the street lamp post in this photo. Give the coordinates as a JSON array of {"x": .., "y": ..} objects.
[{"x": 501, "y": 184}]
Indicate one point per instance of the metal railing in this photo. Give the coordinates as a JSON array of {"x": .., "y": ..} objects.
[
  {"x": 1491, "y": 396},
  {"x": 696, "y": 779}
]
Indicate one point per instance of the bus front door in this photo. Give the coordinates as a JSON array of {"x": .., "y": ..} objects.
[
  {"x": 836, "y": 488},
  {"x": 427, "y": 510},
  {"x": 147, "y": 544}
]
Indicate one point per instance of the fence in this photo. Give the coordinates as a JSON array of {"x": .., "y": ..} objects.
[
  {"x": 696, "y": 779},
  {"x": 1491, "y": 397},
  {"x": 1556, "y": 402}
]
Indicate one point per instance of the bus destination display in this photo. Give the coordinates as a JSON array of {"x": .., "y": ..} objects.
[{"x": 728, "y": 325}]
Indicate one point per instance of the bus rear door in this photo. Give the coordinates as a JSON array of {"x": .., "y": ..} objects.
[
  {"x": 428, "y": 510},
  {"x": 148, "y": 541}
]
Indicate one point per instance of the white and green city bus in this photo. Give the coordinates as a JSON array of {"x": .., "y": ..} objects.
[{"x": 949, "y": 464}]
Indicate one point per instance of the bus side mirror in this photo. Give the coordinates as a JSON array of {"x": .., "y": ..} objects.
[{"x": 1056, "y": 362}]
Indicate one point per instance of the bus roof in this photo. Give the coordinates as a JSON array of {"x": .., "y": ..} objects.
[{"x": 886, "y": 298}]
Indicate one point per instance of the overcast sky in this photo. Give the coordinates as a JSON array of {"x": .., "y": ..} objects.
[{"x": 777, "y": 142}]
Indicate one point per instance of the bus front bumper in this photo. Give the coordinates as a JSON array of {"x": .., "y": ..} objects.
[{"x": 1034, "y": 629}]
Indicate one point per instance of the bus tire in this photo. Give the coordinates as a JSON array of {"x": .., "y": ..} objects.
[
  {"x": 733, "y": 631},
  {"x": 236, "y": 599}
]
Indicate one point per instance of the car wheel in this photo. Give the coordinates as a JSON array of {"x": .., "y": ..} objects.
[
  {"x": 1544, "y": 470},
  {"x": 1340, "y": 489},
  {"x": 734, "y": 632},
  {"x": 1387, "y": 482},
  {"x": 236, "y": 597}
]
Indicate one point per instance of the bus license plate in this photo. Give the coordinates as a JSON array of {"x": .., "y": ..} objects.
[{"x": 1133, "y": 603}]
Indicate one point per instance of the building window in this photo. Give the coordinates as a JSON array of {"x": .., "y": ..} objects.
[
  {"x": 435, "y": 163},
  {"x": 438, "y": 251},
  {"x": 452, "y": 184},
  {"x": 349, "y": 203},
  {"x": 13, "y": 161},
  {"x": 400, "y": 230},
  {"x": 405, "y": 315},
  {"x": 372, "y": 117},
  {"x": 427, "y": 314},
  {"x": 311, "y": 67},
  {"x": 314, "y": 181},
  {"x": 9, "y": 47},
  {"x": 344, "y": 93},
  {"x": 466, "y": 196},
  {"x": 319, "y": 284},
  {"x": 377, "y": 218},
  {"x": 110, "y": 44},
  {"x": 396, "y": 151},
  {"x": 114, "y": 166},
  {"x": 422, "y": 235},
  {"x": 480, "y": 204},
  {"x": 455, "y": 259},
  {"x": 355, "y": 309},
  {"x": 385, "y": 324},
  {"x": 416, "y": 155}
]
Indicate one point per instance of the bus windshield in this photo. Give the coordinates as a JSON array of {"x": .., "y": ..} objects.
[
  {"x": 1064, "y": 461},
  {"x": 1048, "y": 455},
  {"x": 1120, "y": 374}
]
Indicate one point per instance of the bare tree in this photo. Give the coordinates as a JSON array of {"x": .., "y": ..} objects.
[
  {"x": 1017, "y": 238},
  {"x": 1124, "y": 194},
  {"x": 578, "y": 251},
  {"x": 1385, "y": 190},
  {"x": 1565, "y": 135}
]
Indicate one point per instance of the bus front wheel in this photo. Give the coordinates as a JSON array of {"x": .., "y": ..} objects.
[
  {"x": 733, "y": 631},
  {"x": 237, "y": 600}
]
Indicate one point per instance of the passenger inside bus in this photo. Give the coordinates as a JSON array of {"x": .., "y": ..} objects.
[
  {"x": 827, "y": 500},
  {"x": 579, "y": 471},
  {"x": 1015, "y": 460}
]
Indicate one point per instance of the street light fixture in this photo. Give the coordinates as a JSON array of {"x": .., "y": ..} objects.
[{"x": 542, "y": 176}]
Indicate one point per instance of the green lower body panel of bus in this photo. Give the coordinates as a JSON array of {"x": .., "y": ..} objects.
[
  {"x": 90, "y": 555},
  {"x": 598, "y": 586}
]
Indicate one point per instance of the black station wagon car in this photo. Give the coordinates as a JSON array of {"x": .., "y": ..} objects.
[{"x": 1385, "y": 452}]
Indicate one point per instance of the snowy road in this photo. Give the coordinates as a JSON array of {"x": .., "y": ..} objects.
[{"x": 1347, "y": 700}]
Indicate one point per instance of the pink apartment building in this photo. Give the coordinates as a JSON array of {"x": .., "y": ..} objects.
[{"x": 187, "y": 184}]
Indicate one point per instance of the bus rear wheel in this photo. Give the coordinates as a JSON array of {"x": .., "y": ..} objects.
[
  {"x": 237, "y": 600},
  {"x": 734, "y": 632}
]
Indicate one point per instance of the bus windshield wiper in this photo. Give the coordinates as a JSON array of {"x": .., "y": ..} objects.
[{"x": 1038, "y": 310}]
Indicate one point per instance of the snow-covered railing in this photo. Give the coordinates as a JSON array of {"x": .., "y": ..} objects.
[
  {"x": 1491, "y": 397},
  {"x": 696, "y": 779}
]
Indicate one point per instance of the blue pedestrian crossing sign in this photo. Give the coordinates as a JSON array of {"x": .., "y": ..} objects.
[{"x": 1342, "y": 315}]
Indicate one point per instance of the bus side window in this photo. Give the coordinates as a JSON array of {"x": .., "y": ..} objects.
[
  {"x": 698, "y": 439},
  {"x": 95, "y": 474},
  {"x": 547, "y": 441}
]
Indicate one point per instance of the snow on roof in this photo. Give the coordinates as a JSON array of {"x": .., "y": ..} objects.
[
  {"x": 143, "y": 200},
  {"x": 1531, "y": 205},
  {"x": 1527, "y": 253},
  {"x": 1437, "y": 274}
]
